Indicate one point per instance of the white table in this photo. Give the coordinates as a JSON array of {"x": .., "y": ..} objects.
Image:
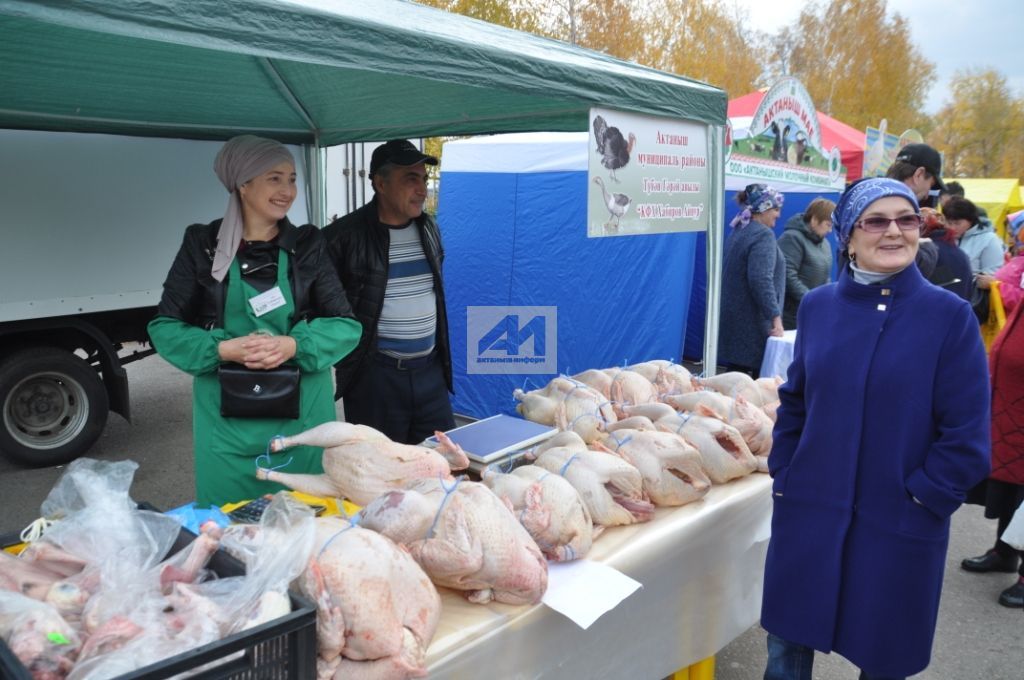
[
  {"x": 701, "y": 566},
  {"x": 778, "y": 355}
]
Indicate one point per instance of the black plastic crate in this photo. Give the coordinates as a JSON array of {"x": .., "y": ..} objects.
[{"x": 283, "y": 649}]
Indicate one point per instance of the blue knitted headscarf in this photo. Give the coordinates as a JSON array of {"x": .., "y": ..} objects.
[
  {"x": 861, "y": 194},
  {"x": 760, "y": 198}
]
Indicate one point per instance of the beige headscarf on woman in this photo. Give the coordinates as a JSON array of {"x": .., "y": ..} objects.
[{"x": 238, "y": 161}]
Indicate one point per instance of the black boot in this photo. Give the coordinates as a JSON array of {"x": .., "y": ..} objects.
[
  {"x": 991, "y": 561},
  {"x": 1014, "y": 595}
]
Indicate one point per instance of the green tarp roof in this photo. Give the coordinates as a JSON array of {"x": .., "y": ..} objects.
[{"x": 328, "y": 72}]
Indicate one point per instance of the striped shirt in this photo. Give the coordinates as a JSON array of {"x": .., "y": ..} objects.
[{"x": 408, "y": 320}]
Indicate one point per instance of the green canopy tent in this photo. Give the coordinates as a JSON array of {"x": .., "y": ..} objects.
[{"x": 319, "y": 73}]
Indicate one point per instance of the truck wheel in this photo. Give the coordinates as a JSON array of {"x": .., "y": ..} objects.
[{"x": 54, "y": 406}]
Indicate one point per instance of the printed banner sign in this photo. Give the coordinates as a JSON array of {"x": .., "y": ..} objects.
[
  {"x": 783, "y": 142},
  {"x": 647, "y": 175},
  {"x": 511, "y": 339},
  {"x": 881, "y": 148}
]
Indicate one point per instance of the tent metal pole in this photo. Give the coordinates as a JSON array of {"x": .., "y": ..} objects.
[
  {"x": 316, "y": 158},
  {"x": 716, "y": 223},
  {"x": 318, "y": 181}
]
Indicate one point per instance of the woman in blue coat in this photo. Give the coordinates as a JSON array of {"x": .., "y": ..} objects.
[{"x": 883, "y": 426}]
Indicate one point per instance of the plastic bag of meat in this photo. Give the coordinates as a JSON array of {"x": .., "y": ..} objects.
[
  {"x": 156, "y": 628},
  {"x": 145, "y": 586},
  {"x": 38, "y": 636},
  {"x": 101, "y": 542},
  {"x": 89, "y": 482},
  {"x": 100, "y": 524},
  {"x": 275, "y": 552}
]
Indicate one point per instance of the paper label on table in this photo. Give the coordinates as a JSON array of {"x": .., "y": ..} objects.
[
  {"x": 268, "y": 301},
  {"x": 583, "y": 590}
]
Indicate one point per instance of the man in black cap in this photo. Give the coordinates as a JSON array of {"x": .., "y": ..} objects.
[
  {"x": 919, "y": 166},
  {"x": 388, "y": 254}
]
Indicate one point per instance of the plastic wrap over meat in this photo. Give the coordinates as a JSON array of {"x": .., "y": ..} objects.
[{"x": 45, "y": 643}]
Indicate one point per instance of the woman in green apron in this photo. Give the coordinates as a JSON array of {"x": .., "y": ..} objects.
[{"x": 254, "y": 290}]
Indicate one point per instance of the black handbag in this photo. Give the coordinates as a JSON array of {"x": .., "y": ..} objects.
[
  {"x": 980, "y": 303},
  {"x": 247, "y": 393}
]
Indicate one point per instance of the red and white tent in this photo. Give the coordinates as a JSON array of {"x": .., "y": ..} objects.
[{"x": 850, "y": 141}]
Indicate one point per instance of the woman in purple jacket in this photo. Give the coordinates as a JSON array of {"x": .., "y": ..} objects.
[{"x": 883, "y": 426}]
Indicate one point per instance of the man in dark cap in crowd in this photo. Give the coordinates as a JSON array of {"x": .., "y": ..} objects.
[
  {"x": 919, "y": 166},
  {"x": 388, "y": 254}
]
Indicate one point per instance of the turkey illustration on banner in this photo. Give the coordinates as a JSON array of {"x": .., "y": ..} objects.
[
  {"x": 646, "y": 175},
  {"x": 782, "y": 143}
]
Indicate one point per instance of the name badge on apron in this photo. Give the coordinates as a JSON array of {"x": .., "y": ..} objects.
[{"x": 267, "y": 302}]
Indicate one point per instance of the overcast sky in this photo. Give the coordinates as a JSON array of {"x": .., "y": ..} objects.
[{"x": 952, "y": 34}]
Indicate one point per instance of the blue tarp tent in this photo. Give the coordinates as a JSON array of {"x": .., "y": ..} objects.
[{"x": 513, "y": 214}]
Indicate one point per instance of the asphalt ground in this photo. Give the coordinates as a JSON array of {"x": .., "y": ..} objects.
[{"x": 976, "y": 639}]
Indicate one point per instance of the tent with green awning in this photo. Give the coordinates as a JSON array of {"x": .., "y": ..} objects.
[{"x": 323, "y": 72}]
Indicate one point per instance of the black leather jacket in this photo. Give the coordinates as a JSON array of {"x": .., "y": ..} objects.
[
  {"x": 192, "y": 295},
  {"x": 358, "y": 245}
]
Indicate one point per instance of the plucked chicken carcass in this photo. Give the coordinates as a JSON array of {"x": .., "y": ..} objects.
[
  {"x": 611, "y": 488},
  {"x": 753, "y": 423},
  {"x": 667, "y": 377},
  {"x": 724, "y": 453},
  {"x": 769, "y": 388},
  {"x": 671, "y": 468},
  {"x": 464, "y": 537},
  {"x": 361, "y": 463},
  {"x": 568, "y": 405},
  {"x": 376, "y": 608},
  {"x": 734, "y": 384},
  {"x": 620, "y": 386},
  {"x": 596, "y": 379},
  {"x": 548, "y": 507}
]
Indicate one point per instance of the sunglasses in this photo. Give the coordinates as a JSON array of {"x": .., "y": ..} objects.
[{"x": 875, "y": 225}]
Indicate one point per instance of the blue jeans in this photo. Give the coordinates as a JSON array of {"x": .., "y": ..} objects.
[{"x": 792, "y": 661}]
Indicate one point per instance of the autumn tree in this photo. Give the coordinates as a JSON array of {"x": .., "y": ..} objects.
[
  {"x": 858, "y": 63},
  {"x": 698, "y": 39},
  {"x": 614, "y": 27},
  {"x": 518, "y": 14},
  {"x": 981, "y": 128},
  {"x": 701, "y": 39}
]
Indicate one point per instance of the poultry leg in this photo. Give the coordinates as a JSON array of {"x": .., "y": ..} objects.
[{"x": 314, "y": 485}]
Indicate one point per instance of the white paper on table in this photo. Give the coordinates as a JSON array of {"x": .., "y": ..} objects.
[{"x": 583, "y": 590}]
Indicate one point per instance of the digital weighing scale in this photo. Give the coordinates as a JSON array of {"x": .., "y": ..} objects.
[{"x": 496, "y": 438}]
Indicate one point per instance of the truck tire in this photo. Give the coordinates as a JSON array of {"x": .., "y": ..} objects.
[{"x": 54, "y": 406}]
